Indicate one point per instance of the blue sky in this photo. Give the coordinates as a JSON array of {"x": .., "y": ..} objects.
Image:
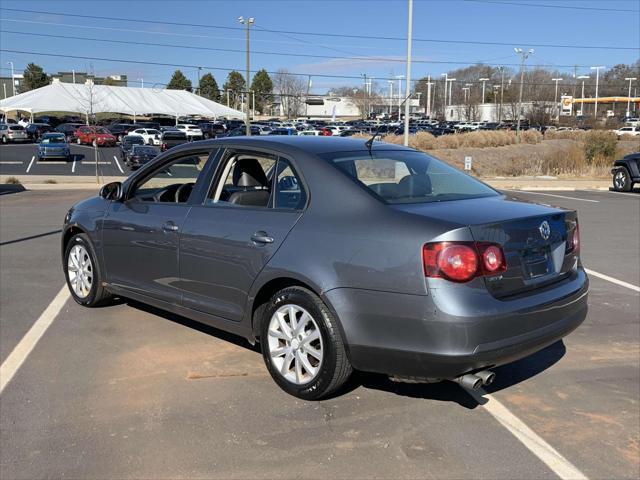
[{"x": 515, "y": 24}]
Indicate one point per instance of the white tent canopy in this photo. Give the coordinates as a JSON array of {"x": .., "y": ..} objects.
[{"x": 88, "y": 98}]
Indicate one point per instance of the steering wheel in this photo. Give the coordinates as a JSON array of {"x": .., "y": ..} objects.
[
  {"x": 166, "y": 194},
  {"x": 183, "y": 192}
]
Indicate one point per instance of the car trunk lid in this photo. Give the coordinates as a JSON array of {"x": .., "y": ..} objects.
[{"x": 535, "y": 238}]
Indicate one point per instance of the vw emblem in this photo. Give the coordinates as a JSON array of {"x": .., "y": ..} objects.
[{"x": 545, "y": 230}]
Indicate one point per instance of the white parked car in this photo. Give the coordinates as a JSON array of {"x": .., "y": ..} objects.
[
  {"x": 635, "y": 131},
  {"x": 264, "y": 129},
  {"x": 151, "y": 136},
  {"x": 462, "y": 126},
  {"x": 312, "y": 133},
  {"x": 193, "y": 132},
  {"x": 13, "y": 133},
  {"x": 633, "y": 122}
]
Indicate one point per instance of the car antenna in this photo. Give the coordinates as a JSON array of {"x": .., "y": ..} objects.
[{"x": 369, "y": 143}]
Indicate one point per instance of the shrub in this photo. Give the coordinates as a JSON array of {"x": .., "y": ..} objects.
[
  {"x": 565, "y": 135},
  {"x": 12, "y": 181},
  {"x": 50, "y": 181},
  {"x": 600, "y": 147},
  {"x": 531, "y": 136}
]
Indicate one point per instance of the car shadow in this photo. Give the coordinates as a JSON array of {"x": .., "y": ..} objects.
[
  {"x": 445, "y": 391},
  {"x": 76, "y": 157}
]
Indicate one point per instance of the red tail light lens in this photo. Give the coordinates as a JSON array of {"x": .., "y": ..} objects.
[
  {"x": 462, "y": 261},
  {"x": 575, "y": 242}
]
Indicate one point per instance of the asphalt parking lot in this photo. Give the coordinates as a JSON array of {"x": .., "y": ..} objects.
[
  {"x": 20, "y": 160},
  {"x": 127, "y": 391}
]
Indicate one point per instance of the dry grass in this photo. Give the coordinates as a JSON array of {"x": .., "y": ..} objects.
[
  {"x": 12, "y": 181},
  {"x": 565, "y": 135}
]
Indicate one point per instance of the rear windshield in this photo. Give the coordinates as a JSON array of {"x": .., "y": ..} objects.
[
  {"x": 16, "y": 127},
  {"x": 407, "y": 177},
  {"x": 143, "y": 150},
  {"x": 57, "y": 139}
]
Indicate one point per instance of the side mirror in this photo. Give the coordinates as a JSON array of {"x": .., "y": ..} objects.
[{"x": 111, "y": 191}]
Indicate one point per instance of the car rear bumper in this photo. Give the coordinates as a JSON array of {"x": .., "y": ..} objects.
[{"x": 420, "y": 336}]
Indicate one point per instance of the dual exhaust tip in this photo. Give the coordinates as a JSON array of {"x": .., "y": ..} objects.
[{"x": 473, "y": 381}]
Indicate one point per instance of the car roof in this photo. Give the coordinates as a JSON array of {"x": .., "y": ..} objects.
[
  {"x": 53, "y": 134},
  {"x": 307, "y": 143}
]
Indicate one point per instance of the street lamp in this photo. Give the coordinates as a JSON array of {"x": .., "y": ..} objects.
[
  {"x": 450, "y": 80},
  {"x": 595, "y": 108},
  {"x": 390, "y": 97},
  {"x": 466, "y": 93},
  {"x": 557, "y": 80},
  {"x": 483, "y": 80},
  {"x": 13, "y": 79},
  {"x": 523, "y": 57},
  {"x": 407, "y": 105},
  {"x": 629, "y": 96},
  {"x": 141, "y": 80},
  {"x": 444, "y": 105},
  {"x": 583, "y": 78},
  {"x": 399, "y": 77},
  {"x": 248, "y": 22}
]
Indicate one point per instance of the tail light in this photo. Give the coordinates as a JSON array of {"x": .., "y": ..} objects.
[
  {"x": 462, "y": 261},
  {"x": 163, "y": 147},
  {"x": 573, "y": 242}
]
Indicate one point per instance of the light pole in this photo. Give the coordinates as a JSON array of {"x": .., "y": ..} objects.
[
  {"x": 248, "y": 22},
  {"x": 501, "y": 92},
  {"x": 450, "y": 80},
  {"x": 446, "y": 84},
  {"x": 595, "y": 108},
  {"x": 390, "y": 97},
  {"x": 73, "y": 76},
  {"x": 407, "y": 105},
  {"x": 141, "y": 80},
  {"x": 364, "y": 97},
  {"x": 631, "y": 79},
  {"x": 399, "y": 77},
  {"x": 583, "y": 78},
  {"x": 557, "y": 80},
  {"x": 429, "y": 83},
  {"x": 13, "y": 79},
  {"x": 523, "y": 57},
  {"x": 483, "y": 80},
  {"x": 199, "y": 92}
]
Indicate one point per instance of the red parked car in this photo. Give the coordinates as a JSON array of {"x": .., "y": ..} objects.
[
  {"x": 98, "y": 135},
  {"x": 326, "y": 132}
]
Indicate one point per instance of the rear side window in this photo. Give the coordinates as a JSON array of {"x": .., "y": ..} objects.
[
  {"x": 400, "y": 176},
  {"x": 290, "y": 194}
]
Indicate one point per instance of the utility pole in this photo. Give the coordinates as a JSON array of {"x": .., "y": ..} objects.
[
  {"x": 399, "y": 77},
  {"x": 13, "y": 79},
  {"x": 595, "y": 108},
  {"x": 73, "y": 76},
  {"x": 446, "y": 83},
  {"x": 199, "y": 92},
  {"x": 501, "y": 93},
  {"x": 428, "y": 111},
  {"x": 407, "y": 104},
  {"x": 583, "y": 78},
  {"x": 557, "y": 80},
  {"x": 523, "y": 56},
  {"x": 630, "y": 79},
  {"x": 483, "y": 80},
  {"x": 364, "y": 97},
  {"x": 390, "y": 98},
  {"x": 306, "y": 103},
  {"x": 141, "y": 80},
  {"x": 450, "y": 80},
  {"x": 248, "y": 22}
]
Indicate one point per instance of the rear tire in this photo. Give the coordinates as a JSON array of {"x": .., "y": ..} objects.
[
  {"x": 622, "y": 180},
  {"x": 4, "y": 139},
  {"x": 83, "y": 274},
  {"x": 292, "y": 357}
]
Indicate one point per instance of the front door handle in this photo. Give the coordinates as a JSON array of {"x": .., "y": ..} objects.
[
  {"x": 170, "y": 227},
  {"x": 261, "y": 237}
]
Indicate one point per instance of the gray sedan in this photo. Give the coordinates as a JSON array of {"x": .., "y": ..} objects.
[{"x": 335, "y": 255}]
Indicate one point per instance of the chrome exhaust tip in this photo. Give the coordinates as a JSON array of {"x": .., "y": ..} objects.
[
  {"x": 486, "y": 376},
  {"x": 470, "y": 381}
]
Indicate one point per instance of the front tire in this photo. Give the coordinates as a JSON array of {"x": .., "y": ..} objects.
[
  {"x": 83, "y": 274},
  {"x": 302, "y": 346},
  {"x": 622, "y": 180}
]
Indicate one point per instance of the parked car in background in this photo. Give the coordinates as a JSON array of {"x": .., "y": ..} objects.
[
  {"x": 283, "y": 131},
  {"x": 151, "y": 136},
  {"x": 242, "y": 131},
  {"x": 11, "y": 133},
  {"x": 140, "y": 155},
  {"x": 172, "y": 137},
  {"x": 311, "y": 133},
  {"x": 212, "y": 130},
  {"x": 633, "y": 131},
  {"x": 35, "y": 130},
  {"x": 120, "y": 130},
  {"x": 626, "y": 172},
  {"x": 401, "y": 265},
  {"x": 127, "y": 143},
  {"x": 97, "y": 136},
  {"x": 69, "y": 130},
  {"x": 192, "y": 132},
  {"x": 53, "y": 145}
]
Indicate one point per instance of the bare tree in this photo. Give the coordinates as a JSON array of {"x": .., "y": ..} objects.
[{"x": 292, "y": 92}]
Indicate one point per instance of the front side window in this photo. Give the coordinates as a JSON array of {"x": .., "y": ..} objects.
[
  {"x": 407, "y": 177},
  {"x": 173, "y": 182}
]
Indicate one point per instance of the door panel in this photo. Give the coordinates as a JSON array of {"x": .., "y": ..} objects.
[
  {"x": 219, "y": 260},
  {"x": 140, "y": 244}
]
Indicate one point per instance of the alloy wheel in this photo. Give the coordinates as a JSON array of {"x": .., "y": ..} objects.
[
  {"x": 80, "y": 271},
  {"x": 295, "y": 344},
  {"x": 619, "y": 179}
]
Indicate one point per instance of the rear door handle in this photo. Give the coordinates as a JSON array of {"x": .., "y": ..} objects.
[
  {"x": 170, "y": 227},
  {"x": 261, "y": 237}
]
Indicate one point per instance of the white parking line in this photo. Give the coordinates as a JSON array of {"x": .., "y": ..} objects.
[
  {"x": 30, "y": 163},
  {"x": 88, "y": 162},
  {"x": 624, "y": 193},
  {"x": 10, "y": 163},
  {"x": 552, "y": 195},
  {"x": 562, "y": 467},
  {"x": 73, "y": 167},
  {"x": 22, "y": 350},
  {"x": 118, "y": 164},
  {"x": 630, "y": 286}
]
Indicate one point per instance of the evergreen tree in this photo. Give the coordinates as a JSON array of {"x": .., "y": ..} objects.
[
  {"x": 34, "y": 77},
  {"x": 262, "y": 88},
  {"x": 179, "y": 82},
  {"x": 236, "y": 85},
  {"x": 208, "y": 88}
]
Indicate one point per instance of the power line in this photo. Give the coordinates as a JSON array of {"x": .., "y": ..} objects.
[
  {"x": 225, "y": 69},
  {"x": 564, "y": 7},
  {"x": 333, "y": 35},
  {"x": 285, "y": 54}
]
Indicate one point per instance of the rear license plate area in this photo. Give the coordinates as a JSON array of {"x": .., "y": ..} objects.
[{"x": 537, "y": 263}]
